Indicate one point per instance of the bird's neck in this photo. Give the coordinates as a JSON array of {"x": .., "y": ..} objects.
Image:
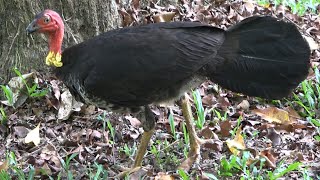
[{"x": 55, "y": 43}]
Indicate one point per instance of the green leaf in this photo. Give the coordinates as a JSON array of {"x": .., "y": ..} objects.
[
  {"x": 99, "y": 171},
  {"x": 32, "y": 89},
  {"x": 39, "y": 93},
  {"x": 172, "y": 127},
  {"x": 316, "y": 122},
  {"x": 70, "y": 158},
  {"x": 290, "y": 168},
  {"x": 32, "y": 173},
  {"x": 200, "y": 110},
  {"x": 111, "y": 129},
  {"x": 183, "y": 174},
  {"x": 20, "y": 75},
  {"x": 8, "y": 93}
]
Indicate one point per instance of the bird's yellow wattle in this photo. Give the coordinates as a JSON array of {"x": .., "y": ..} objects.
[{"x": 54, "y": 59}]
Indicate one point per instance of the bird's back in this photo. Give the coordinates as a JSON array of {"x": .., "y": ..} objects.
[{"x": 137, "y": 66}]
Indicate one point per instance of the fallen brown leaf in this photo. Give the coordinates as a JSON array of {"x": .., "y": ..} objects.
[
  {"x": 237, "y": 143},
  {"x": 224, "y": 103},
  {"x": 33, "y": 136},
  {"x": 164, "y": 17},
  {"x": 274, "y": 136},
  {"x": 44, "y": 170},
  {"x": 164, "y": 176},
  {"x": 20, "y": 131},
  {"x": 136, "y": 3},
  {"x": 133, "y": 121},
  {"x": 126, "y": 17},
  {"x": 243, "y": 105},
  {"x": 270, "y": 159},
  {"x": 312, "y": 43},
  {"x": 65, "y": 109},
  {"x": 273, "y": 114},
  {"x": 4, "y": 165},
  {"x": 207, "y": 133},
  {"x": 249, "y": 5},
  {"x": 225, "y": 127}
]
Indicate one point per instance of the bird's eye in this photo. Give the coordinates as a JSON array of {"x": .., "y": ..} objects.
[{"x": 46, "y": 19}]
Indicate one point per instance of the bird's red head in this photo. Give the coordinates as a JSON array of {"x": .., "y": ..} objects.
[{"x": 50, "y": 23}]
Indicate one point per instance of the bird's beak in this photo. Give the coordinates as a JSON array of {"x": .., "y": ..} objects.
[{"x": 32, "y": 27}]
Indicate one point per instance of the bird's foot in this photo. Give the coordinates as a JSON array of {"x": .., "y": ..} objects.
[
  {"x": 195, "y": 141},
  {"x": 194, "y": 153},
  {"x": 127, "y": 171},
  {"x": 139, "y": 156}
]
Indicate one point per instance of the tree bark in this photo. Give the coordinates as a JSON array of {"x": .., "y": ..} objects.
[{"x": 83, "y": 19}]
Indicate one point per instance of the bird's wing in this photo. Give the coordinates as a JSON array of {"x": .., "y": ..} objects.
[{"x": 140, "y": 65}]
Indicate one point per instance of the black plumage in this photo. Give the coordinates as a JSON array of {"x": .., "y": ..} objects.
[
  {"x": 262, "y": 57},
  {"x": 131, "y": 68},
  {"x": 137, "y": 66},
  {"x": 140, "y": 65}
]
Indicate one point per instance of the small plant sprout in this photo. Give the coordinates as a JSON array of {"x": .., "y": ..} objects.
[
  {"x": 172, "y": 126},
  {"x": 200, "y": 110},
  {"x": 129, "y": 151},
  {"x": 66, "y": 165},
  {"x": 3, "y": 116},
  {"x": 8, "y": 94},
  {"x": 33, "y": 91}
]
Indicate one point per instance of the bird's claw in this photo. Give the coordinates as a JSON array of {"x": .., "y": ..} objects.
[{"x": 127, "y": 171}]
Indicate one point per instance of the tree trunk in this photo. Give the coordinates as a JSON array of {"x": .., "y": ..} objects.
[{"x": 83, "y": 19}]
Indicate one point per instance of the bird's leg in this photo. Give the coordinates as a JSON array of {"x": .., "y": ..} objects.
[
  {"x": 146, "y": 136},
  {"x": 148, "y": 124},
  {"x": 195, "y": 141}
]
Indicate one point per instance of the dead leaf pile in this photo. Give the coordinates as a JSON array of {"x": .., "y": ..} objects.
[{"x": 42, "y": 132}]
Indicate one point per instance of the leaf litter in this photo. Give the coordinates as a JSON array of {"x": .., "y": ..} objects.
[{"x": 275, "y": 133}]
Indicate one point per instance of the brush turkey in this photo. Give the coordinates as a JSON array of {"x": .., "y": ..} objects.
[{"x": 128, "y": 69}]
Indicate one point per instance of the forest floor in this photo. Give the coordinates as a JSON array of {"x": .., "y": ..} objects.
[{"x": 275, "y": 139}]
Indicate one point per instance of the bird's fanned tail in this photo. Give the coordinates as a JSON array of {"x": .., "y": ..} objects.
[{"x": 262, "y": 57}]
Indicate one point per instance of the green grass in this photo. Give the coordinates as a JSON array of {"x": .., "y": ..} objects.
[
  {"x": 97, "y": 172},
  {"x": 308, "y": 99},
  {"x": 199, "y": 109},
  {"x": 8, "y": 94},
  {"x": 253, "y": 171},
  {"x": 183, "y": 175},
  {"x": 186, "y": 140},
  {"x": 129, "y": 151},
  {"x": 3, "y": 116},
  {"x": 107, "y": 124},
  {"x": 14, "y": 171},
  {"x": 234, "y": 130},
  {"x": 163, "y": 151},
  {"x": 219, "y": 116},
  {"x": 172, "y": 126},
  {"x": 66, "y": 166},
  {"x": 33, "y": 90},
  {"x": 300, "y": 7}
]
